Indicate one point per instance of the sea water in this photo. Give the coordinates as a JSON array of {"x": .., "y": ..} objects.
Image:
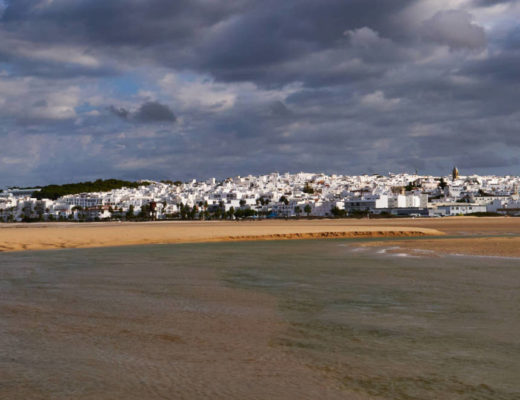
[{"x": 188, "y": 321}]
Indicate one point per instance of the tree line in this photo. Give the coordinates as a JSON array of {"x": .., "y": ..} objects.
[{"x": 53, "y": 192}]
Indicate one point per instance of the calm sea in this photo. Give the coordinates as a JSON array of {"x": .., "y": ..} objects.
[{"x": 258, "y": 320}]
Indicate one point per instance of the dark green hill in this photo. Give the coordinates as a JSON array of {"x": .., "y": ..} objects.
[{"x": 54, "y": 191}]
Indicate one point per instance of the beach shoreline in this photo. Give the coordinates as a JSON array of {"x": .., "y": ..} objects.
[
  {"x": 495, "y": 236},
  {"x": 44, "y": 236}
]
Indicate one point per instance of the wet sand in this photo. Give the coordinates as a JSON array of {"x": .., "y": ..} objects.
[{"x": 17, "y": 237}]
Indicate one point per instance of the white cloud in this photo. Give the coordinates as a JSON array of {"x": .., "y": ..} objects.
[
  {"x": 50, "y": 53},
  {"x": 200, "y": 92},
  {"x": 58, "y": 105},
  {"x": 377, "y": 100},
  {"x": 61, "y": 54},
  {"x": 454, "y": 28},
  {"x": 31, "y": 98},
  {"x": 363, "y": 37}
]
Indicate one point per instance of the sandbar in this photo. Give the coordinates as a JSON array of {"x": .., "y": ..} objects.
[
  {"x": 18, "y": 237},
  {"x": 493, "y": 236}
]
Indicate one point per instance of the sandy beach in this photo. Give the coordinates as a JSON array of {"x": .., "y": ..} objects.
[
  {"x": 17, "y": 237},
  {"x": 481, "y": 236}
]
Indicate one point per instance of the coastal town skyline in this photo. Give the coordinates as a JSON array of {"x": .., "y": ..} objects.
[
  {"x": 266, "y": 196},
  {"x": 442, "y": 172}
]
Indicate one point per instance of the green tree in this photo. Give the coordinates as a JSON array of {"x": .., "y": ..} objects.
[
  {"x": 54, "y": 191},
  {"x": 193, "y": 212},
  {"x": 338, "y": 212},
  {"x": 308, "y": 188},
  {"x": 145, "y": 212},
  {"x": 130, "y": 212},
  {"x": 307, "y": 209},
  {"x": 239, "y": 213},
  {"x": 231, "y": 212},
  {"x": 442, "y": 184}
]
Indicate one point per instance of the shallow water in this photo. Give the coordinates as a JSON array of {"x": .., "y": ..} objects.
[
  {"x": 396, "y": 327},
  {"x": 258, "y": 320}
]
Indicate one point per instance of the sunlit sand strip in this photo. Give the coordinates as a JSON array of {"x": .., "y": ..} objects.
[{"x": 85, "y": 236}]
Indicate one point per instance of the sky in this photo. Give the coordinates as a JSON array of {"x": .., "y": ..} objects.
[{"x": 161, "y": 89}]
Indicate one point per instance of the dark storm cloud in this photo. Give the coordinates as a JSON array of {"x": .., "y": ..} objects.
[
  {"x": 486, "y": 159},
  {"x": 155, "y": 112},
  {"x": 115, "y": 22},
  {"x": 332, "y": 85},
  {"x": 279, "y": 109},
  {"x": 503, "y": 67},
  {"x": 148, "y": 112},
  {"x": 490, "y": 3},
  {"x": 281, "y": 32},
  {"x": 233, "y": 40},
  {"x": 120, "y": 112},
  {"x": 512, "y": 40}
]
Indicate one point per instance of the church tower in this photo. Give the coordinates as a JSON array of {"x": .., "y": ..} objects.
[{"x": 455, "y": 173}]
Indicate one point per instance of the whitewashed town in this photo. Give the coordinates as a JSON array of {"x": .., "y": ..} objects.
[{"x": 275, "y": 196}]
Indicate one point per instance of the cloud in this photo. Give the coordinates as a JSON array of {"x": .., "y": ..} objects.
[
  {"x": 154, "y": 112},
  {"x": 200, "y": 92},
  {"x": 363, "y": 37},
  {"x": 27, "y": 101},
  {"x": 487, "y": 159},
  {"x": 378, "y": 101},
  {"x": 120, "y": 112},
  {"x": 456, "y": 29},
  {"x": 148, "y": 112},
  {"x": 334, "y": 86},
  {"x": 491, "y": 3}
]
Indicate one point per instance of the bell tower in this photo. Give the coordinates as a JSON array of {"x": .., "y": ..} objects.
[{"x": 455, "y": 173}]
